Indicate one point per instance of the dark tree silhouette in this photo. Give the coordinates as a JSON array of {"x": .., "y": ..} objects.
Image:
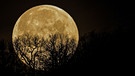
[
  {"x": 2, "y": 45},
  {"x": 107, "y": 50},
  {"x": 2, "y": 48},
  {"x": 41, "y": 54}
]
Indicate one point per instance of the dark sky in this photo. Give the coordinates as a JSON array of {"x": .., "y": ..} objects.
[{"x": 89, "y": 15}]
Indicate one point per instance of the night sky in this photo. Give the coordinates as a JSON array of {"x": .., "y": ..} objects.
[{"x": 96, "y": 16}]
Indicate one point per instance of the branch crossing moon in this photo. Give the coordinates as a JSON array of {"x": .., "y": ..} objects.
[{"x": 45, "y": 37}]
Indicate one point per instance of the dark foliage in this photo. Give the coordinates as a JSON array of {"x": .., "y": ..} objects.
[
  {"x": 96, "y": 53},
  {"x": 110, "y": 52}
]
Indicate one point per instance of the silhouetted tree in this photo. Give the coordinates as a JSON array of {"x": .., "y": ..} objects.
[
  {"x": 61, "y": 49},
  {"x": 2, "y": 45},
  {"x": 44, "y": 54}
]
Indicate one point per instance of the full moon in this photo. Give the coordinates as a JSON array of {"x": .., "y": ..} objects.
[{"x": 45, "y": 37}]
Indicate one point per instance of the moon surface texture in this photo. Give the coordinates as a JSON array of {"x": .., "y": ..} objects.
[{"x": 45, "y": 37}]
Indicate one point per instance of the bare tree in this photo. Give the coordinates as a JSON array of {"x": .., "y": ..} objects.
[
  {"x": 62, "y": 49},
  {"x": 41, "y": 54}
]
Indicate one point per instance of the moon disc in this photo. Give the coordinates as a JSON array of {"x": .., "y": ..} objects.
[{"x": 45, "y": 36}]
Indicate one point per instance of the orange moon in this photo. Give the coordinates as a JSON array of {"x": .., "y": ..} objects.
[{"x": 43, "y": 21}]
